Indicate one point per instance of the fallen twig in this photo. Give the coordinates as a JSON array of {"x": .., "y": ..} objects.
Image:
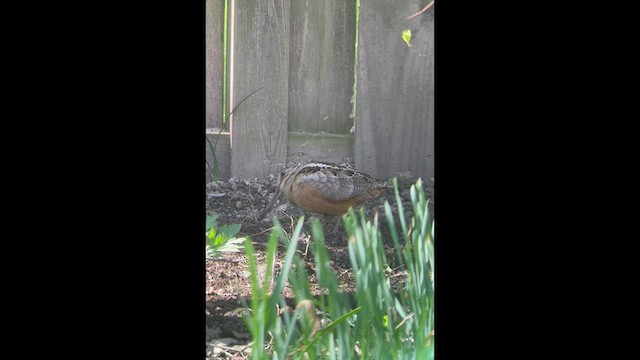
[{"x": 227, "y": 348}]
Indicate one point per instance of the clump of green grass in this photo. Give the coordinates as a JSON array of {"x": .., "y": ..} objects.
[
  {"x": 382, "y": 324},
  {"x": 394, "y": 326}
]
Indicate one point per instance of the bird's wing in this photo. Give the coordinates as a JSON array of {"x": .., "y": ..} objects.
[{"x": 336, "y": 183}]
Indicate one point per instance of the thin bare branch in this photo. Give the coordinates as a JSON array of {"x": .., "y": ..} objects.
[{"x": 421, "y": 11}]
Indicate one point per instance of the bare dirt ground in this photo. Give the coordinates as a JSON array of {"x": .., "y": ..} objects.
[{"x": 241, "y": 201}]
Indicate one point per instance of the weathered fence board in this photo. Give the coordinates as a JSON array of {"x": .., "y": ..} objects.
[
  {"x": 321, "y": 62},
  {"x": 261, "y": 57},
  {"x": 395, "y": 90},
  {"x": 214, "y": 53},
  {"x": 223, "y": 155},
  {"x": 306, "y": 147}
]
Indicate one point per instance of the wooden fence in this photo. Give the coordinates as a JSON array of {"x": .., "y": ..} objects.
[{"x": 304, "y": 53}]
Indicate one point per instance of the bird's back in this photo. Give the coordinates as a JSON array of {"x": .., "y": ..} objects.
[{"x": 331, "y": 189}]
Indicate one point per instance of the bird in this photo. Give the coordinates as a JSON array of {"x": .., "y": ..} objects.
[{"x": 326, "y": 188}]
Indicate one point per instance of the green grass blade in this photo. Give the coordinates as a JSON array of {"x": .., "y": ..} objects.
[
  {"x": 394, "y": 234},
  {"x": 288, "y": 260},
  {"x": 403, "y": 223}
]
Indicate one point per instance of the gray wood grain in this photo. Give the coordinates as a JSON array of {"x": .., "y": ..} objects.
[
  {"x": 223, "y": 155},
  {"x": 213, "y": 64},
  {"x": 321, "y": 63},
  {"x": 261, "y": 57},
  {"x": 395, "y": 90}
]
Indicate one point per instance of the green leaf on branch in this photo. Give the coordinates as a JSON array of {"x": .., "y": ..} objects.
[{"x": 406, "y": 36}]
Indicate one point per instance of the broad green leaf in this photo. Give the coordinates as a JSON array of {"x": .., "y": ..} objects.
[
  {"x": 215, "y": 241},
  {"x": 212, "y": 253},
  {"x": 220, "y": 239},
  {"x": 232, "y": 245},
  {"x": 406, "y": 36},
  {"x": 211, "y": 222},
  {"x": 230, "y": 230},
  {"x": 230, "y": 248}
]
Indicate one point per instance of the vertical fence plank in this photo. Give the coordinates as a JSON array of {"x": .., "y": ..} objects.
[
  {"x": 223, "y": 155},
  {"x": 261, "y": 57},
  {"x": 395, "y": 90},
  {"x": 214, "y": 52},
  {"x": 321, "y": 66}
]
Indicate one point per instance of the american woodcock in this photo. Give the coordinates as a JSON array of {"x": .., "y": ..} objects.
[{"x": 326, "y": 188}]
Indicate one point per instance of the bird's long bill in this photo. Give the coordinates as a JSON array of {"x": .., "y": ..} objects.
[{"x": 275, "y": 198}]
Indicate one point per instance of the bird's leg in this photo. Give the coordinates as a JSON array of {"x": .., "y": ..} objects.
[
  {"x": 337, "y": 225},
  {"x": 275, "y": 198}
]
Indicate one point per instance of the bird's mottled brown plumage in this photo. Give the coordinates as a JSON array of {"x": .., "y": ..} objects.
[{"x": 326, "y": 188}]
